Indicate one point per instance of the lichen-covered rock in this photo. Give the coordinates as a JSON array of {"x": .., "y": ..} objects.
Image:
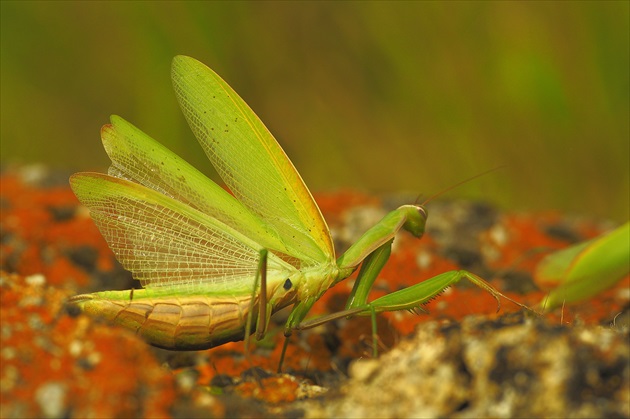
[
  {"x": 516, "y": 366},
  {"x": 57, "y": 365}
]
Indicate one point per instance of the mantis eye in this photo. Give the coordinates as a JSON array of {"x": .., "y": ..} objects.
[{"x": 287, "y": 284}]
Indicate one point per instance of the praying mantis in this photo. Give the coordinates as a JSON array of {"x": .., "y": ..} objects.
[
  {"x": 215, "y": 265},
  {"x": 583, "y": 270}
]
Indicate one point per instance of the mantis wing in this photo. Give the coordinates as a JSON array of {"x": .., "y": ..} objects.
[
  {"x": 166, "y": 243},
  {"x": 250, "y": 161},
  {"x": 136, "y": 156}
]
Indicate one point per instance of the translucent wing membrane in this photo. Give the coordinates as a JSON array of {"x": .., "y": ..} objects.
[
  {"x": 136, "y": 156},
  {"x": 165, "y": 243},
  {"x": 250, "y": 161}
]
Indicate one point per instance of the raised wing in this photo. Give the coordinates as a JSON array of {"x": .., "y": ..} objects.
[
  {"x": 166, "y": 243},
  {"x": 250, "y": 161},
  {"x": 136, "y": 156}
]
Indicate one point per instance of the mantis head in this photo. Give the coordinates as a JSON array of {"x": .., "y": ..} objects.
[{"x": 416, "y": 218}]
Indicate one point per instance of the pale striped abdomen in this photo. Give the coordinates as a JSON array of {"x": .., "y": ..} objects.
[{"x": 189, "y": 322}]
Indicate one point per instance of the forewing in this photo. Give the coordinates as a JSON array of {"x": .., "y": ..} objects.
[
  {"x": 250, "y": 161},
  {"x": 136, "y": 156},
  {"x": 165, "y": 243}
]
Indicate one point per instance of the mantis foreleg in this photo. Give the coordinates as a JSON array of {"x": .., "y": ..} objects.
[
  {"x": 408, "y": 217},
  {"x": 371, "y": 267},
  {"x": 411, "y": 298}
]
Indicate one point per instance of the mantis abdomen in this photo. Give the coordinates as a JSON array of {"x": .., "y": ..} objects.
[{"x": 190, "y": 322}]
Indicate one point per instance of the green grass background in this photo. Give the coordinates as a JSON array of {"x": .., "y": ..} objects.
[{"x": 379, "y": 96}]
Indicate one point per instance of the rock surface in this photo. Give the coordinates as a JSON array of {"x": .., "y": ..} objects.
[{"x": 515, "y": 366}]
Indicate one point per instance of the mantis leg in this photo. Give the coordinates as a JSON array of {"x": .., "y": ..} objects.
[
  {"x": 411, "y": 298},
  {"x": 261, "y": 322},
  {"x": 371, "y": 267},
  {"x": 356, "y": 305}
]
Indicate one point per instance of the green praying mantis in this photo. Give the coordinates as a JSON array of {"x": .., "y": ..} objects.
[
  {"x": 584, "y": 270},
  {"x": 216, "y": 265}
]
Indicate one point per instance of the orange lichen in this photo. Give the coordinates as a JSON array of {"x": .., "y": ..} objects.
[
  {"x": 40, "y": 232},
  {"x": 97, "y": 370},
  {"x": 273, "y": 390}
]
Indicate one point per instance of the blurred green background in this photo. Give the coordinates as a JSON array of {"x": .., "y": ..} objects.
[{"x": 378, "y": 96}]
